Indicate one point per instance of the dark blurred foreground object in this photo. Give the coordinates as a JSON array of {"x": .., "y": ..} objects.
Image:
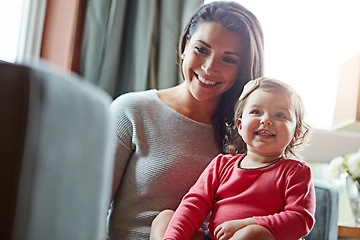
[{"x": 56, "y": 152}]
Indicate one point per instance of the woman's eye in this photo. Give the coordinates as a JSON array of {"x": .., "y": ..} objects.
[
  {"x": 229, "y": 60},
  {"x": 200, "y": 50}
]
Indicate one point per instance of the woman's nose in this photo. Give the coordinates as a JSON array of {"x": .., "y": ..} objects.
[{"x": 209, "y": 66}]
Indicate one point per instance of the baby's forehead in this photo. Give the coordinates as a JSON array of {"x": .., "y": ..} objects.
[
  {"x": 271, "y": 91},
  {"x": 270, "y": 97}
]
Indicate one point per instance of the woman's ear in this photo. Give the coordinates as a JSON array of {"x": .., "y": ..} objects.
[{"x": 187, "y": 38}]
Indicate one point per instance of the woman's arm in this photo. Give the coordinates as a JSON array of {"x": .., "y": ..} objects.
[{"x": 123, "y": 141}]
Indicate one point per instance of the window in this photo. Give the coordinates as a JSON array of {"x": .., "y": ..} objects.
[
  {"x": 10, "y": 18},
  {"x": 21, "y": 21},
  {"x": 305, "y": 44}
]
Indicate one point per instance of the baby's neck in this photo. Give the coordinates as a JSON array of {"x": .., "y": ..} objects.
[{"x": 252, "y": 160}]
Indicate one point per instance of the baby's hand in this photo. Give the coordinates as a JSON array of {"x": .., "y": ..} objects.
[{"x": 227, "y": 229}]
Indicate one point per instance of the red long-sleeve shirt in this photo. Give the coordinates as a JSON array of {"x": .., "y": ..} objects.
[{"x": 280, "y": 197}]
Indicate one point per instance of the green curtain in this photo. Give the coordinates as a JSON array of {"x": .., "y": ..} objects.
[{"x": 131, "y": 45}]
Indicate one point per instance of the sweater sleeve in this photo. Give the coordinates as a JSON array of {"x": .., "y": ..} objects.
[
  {"x": 297, "y": 219},
  {"x": 195, "y": 205},
  {"x": 123, "y": 139}
]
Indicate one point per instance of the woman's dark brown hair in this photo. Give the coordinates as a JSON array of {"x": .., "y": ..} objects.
[{"x": 235, "y": 18}]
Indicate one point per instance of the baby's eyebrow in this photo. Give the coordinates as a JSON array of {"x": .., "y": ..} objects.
[
  {"x": 255, "y": 106},
  {"x": 282, "y": 108},
  {"x": 285, "y": 109}
]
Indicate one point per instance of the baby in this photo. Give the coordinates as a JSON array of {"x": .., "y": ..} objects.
[{"x": 255, "y": 191}]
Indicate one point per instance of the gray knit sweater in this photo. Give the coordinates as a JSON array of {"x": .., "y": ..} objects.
[{"x": 159, "y": 156}]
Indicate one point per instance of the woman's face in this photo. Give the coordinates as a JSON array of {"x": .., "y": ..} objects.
[{"x": 213, "y": 57}]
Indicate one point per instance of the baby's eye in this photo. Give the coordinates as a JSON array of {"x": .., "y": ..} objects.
[
  {"x": 255, "y": 111},
  {"x": 280, "y": 115},
  {"x": 200, "y": 50}
]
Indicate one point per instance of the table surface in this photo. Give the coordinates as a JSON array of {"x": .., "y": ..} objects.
[{"x": 348, "y": 232}]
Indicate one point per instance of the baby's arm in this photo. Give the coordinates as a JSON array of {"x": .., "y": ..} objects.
[
  {"x": 195, "y": 205},
  {"x": 245, "y": 229}
]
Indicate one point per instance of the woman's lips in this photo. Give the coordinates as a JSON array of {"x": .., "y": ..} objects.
[{"x": 206, "y": 81}]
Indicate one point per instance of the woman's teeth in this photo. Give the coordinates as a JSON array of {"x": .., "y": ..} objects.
[{"x": 205, "y": 81}]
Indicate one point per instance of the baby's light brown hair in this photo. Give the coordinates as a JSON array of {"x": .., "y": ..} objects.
[{"x": 234, "y": 144}]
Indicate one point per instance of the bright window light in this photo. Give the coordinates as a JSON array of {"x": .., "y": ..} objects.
[
  {"x": 305, "y": 44},
  {"x": 10, "y": 18}
]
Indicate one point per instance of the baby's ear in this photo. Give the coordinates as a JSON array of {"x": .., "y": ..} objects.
[
  {"x": 296, "y": 136},
  {"x": 239, "y": 125}
]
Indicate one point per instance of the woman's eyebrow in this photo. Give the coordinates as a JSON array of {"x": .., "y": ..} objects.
[
  {"x": 209, "y": 46},
  {"x": 206, "y": 44},
  {"x": 233, "y": 53}
]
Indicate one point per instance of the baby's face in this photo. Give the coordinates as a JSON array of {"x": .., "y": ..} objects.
[{"x": 268, "y": 122}]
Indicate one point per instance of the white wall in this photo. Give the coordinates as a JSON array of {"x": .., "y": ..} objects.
[{"x": 325, "y": 145}]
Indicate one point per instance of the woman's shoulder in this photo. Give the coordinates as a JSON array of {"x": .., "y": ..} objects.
[
  {"x": 135, "y": 101},
  {"x": 142, "y": 97}
]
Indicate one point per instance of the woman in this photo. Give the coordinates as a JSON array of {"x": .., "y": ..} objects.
[{"x": 165, "y": 138}]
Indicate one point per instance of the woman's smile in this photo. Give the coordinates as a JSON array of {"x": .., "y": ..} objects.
[{"x": 205, "y": 81}]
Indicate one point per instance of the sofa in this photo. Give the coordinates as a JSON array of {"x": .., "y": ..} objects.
[
  {"x": 56, "y": 151},
  {"x": 326, "y": 214}
]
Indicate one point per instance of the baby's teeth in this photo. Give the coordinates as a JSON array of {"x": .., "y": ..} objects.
[{"x": 265, "y": 133}]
